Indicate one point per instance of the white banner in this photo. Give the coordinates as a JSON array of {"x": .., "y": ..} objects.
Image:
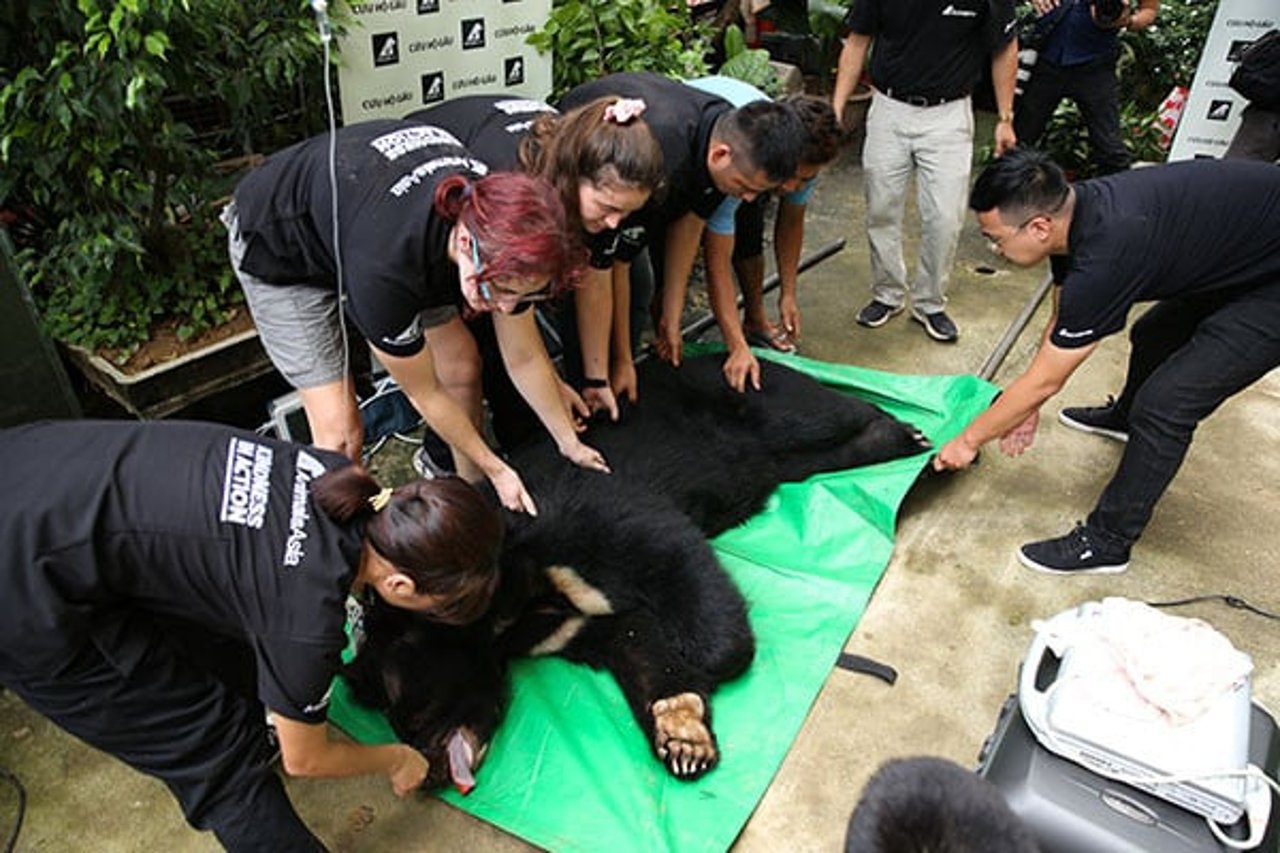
[
  {"x": 400, "y": 55},
  {"x": 1212, "y": 113}
]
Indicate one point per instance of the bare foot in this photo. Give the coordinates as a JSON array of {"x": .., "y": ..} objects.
[{"x": 682, "y": 738}]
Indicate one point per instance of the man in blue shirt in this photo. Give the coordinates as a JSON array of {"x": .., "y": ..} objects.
[{"x": 733, "y": 241}]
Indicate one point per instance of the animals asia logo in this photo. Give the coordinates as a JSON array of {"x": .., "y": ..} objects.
[
  {"x": 433, "y": 87},
  {"x": 386, "y": 49},
  {"x": 473, "y": 33},
  {"x": 513, "y": 70}
]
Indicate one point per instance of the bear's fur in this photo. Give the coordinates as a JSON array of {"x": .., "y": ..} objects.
[{"x": 615, "y": 570}]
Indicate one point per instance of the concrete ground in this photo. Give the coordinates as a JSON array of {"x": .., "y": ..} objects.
[{"x": 952, "y": 613}]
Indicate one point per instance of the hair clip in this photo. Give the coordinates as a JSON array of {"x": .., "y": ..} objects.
[
  {"x": 624, "y": 110},
  {"x": 381, "y": 499}
]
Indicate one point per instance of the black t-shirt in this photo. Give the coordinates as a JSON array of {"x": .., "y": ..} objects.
[
  {"x": 394, "y": 257},
  {"x": 199, "y": 521},
  {"x": 682, "y": 119},
  {"x": 931, "y": 48},
  {"x": 1163, "y": 232},
  {"x": 492, "y": 128}
]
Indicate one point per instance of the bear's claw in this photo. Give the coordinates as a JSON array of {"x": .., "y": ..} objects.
[{"x": 682, "y": 738}]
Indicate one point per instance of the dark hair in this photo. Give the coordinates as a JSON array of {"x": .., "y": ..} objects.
[
  {"x": 520, "y": 223},
  {"x": 440, "y": 532},
  {"x": 581, "y": 145},
  {"x": 1022, "y": 183},
  {"x": 822, "y": 131},
  {"x": 763, "y": 136},
  {"x": 936, "y": 805}
]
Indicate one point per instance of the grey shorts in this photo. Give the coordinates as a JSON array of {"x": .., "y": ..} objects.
[{"x": 299, "y": 325}]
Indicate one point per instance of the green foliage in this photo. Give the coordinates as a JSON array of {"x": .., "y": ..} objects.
[
  {"x": 112, "y": 116},
  {"x": 592, "y": 38},
  {"x": 826, "y": 20},
  {"x": 1166, "y": 54},
  {"x": 1065, "y": 137},
  {"x": 743, "y": 63}
]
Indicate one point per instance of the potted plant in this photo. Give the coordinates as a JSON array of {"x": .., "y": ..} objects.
[
  {"x": 591, "y": 39},
  {"x": 114, "y": 118}
]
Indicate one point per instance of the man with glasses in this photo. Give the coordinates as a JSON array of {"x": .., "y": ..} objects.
[{"x": 1201, "y": 239}]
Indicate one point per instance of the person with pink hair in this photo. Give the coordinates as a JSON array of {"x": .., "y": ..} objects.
[{"x": 419, "y": 236}]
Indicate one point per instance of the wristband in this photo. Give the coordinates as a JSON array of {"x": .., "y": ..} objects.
[{"x": 588, "y": 382}]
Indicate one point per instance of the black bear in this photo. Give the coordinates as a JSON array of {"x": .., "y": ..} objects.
[
  {"x": 928, "y": 803},
  {"x": 615, "y": 570}
]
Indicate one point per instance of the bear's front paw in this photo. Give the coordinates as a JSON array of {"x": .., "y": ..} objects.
[{"x": 682, "y": 738}]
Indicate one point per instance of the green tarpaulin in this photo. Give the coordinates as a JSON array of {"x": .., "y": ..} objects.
[{"x": 569, "y": 768}]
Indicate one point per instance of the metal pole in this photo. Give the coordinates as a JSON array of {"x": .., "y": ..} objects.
[
  {"x": 1001, "y": 351},
  {"x": 699, "y": 325}
]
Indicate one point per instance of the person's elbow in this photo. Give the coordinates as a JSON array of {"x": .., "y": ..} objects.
[
  {"x": 300, "y": 764},
  {"x": 304, "y": 748}
]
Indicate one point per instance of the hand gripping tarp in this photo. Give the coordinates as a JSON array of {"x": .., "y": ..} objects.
[{"x": 569, "y": 768}]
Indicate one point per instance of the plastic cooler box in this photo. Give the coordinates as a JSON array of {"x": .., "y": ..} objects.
[{"x": 1070, "y": 809}]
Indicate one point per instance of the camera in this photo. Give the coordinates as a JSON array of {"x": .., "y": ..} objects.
[{"x": 1107, "y": 13}]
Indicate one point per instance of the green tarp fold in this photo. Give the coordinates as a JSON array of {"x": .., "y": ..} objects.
[{"x": 569, "y": 768}]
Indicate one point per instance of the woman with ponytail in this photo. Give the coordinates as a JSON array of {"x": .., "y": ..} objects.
[
  {"x": 419, "y": 236},
  {"x": 155, "y": 552}
]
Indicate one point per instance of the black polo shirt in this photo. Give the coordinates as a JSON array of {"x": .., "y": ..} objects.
[
  {"x": 1164, "y": 232},
  {"x": 682, "y": 119},
  {"x": 935, "y": 49},
  {"x": 394, "y": 256},
  {"x": 198, "y": 521}
]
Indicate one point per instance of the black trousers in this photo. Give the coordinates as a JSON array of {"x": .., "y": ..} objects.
[
  {"x": 129, "y": 692},
  {"x": 748, "y": 228},
  {"x": 1094, "y": 88},
  {"x": 1189, "y": 355}
]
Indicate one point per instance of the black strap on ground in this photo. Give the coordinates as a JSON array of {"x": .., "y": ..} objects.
[
  {"x": 1229, "y": 600},
  {"x": 1010, "y": 337},
  {"x": 867, "y": 666}
]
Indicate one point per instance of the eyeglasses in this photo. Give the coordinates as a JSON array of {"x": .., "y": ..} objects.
[
  {"x": 997, "y": 243},
  {"x": 495, "y": 294}
]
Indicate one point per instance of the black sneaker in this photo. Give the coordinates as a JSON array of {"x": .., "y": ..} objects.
[
  {"x": 1077, "y": 553},
  {"x": 937, "y": 325},
  {"x": 434, "y": 458},
  {"x": 876, "y": 313},
  {"x": 1099, "y": 420}
]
